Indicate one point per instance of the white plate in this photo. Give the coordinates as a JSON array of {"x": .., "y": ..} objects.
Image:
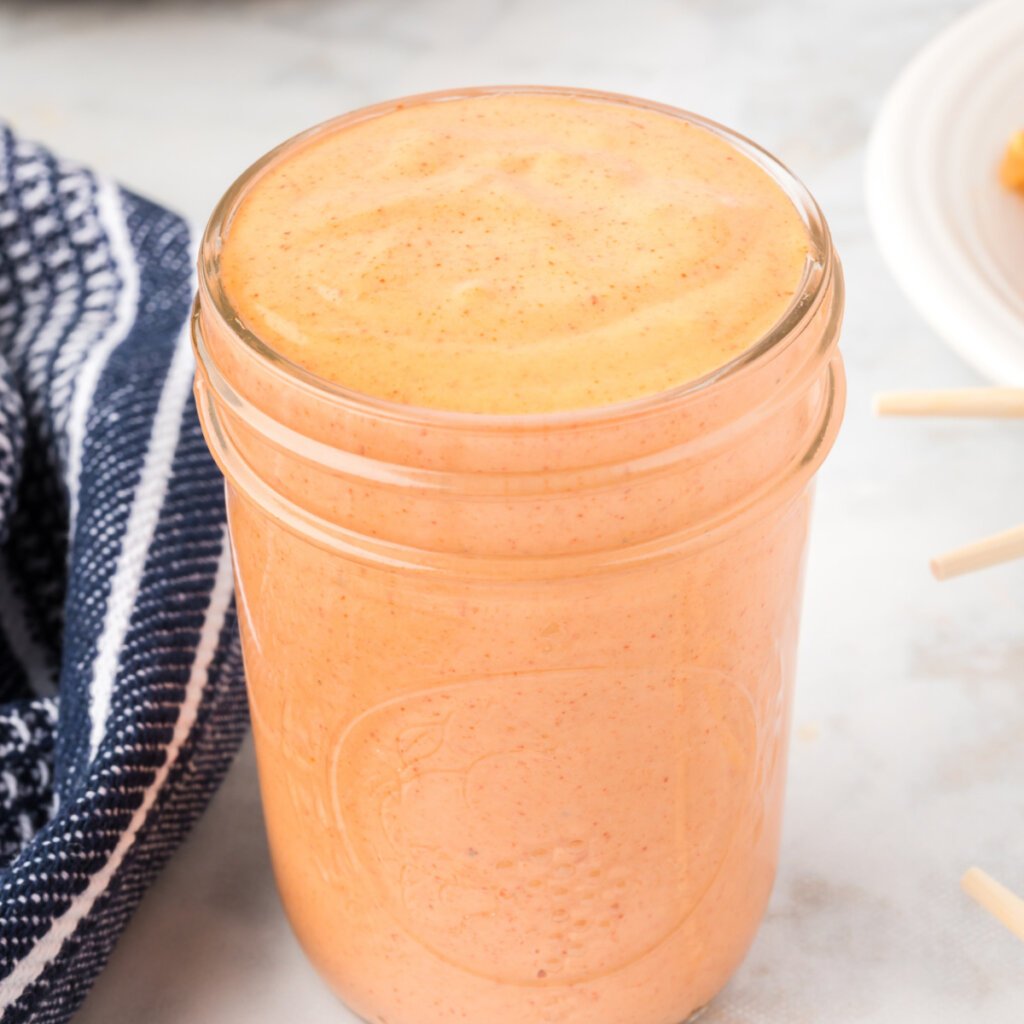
[{"x": 951, "y": 234}]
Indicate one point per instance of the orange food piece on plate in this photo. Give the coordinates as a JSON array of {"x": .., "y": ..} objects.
[{"x": 1011, "y": 172}]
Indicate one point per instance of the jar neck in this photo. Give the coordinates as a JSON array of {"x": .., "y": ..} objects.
[{"x": 418, "y": 485}]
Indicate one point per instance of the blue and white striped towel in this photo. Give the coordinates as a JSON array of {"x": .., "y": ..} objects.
[{"x": 121, "y": 696}]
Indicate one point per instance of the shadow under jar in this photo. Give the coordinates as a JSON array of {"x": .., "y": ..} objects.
[{"x": 520, "y": 684}]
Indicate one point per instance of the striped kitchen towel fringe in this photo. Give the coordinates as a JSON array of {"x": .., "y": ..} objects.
[{"x": 121, "y": 694}]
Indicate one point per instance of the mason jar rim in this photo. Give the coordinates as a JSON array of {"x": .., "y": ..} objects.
[{"x": 818, "y": 274}]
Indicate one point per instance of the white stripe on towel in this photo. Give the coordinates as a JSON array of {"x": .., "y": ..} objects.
[
  {"x": 111, "y": 214},
  {"x": 138, "y": 537}
]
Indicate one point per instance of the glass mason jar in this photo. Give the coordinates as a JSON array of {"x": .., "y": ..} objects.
[{"x": 520, "y": 684}]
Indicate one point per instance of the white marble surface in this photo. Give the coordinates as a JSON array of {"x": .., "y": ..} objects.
[{"x": 908, "y": 753}]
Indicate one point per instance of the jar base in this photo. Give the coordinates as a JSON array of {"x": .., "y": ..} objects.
[{"x": 696, "y": 1015}]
